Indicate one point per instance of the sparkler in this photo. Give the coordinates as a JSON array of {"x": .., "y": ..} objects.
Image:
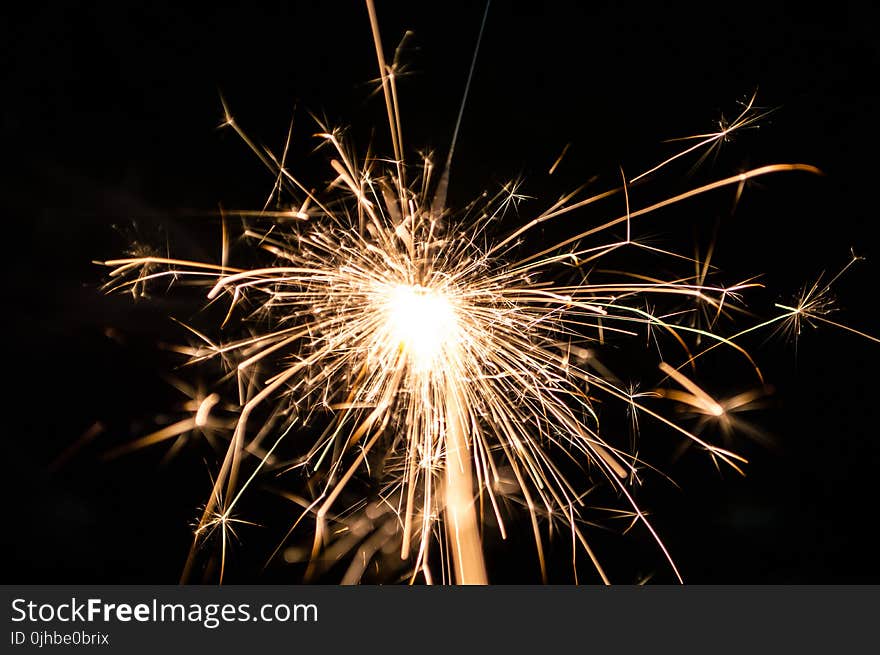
[{"x": 437, "y": 349}]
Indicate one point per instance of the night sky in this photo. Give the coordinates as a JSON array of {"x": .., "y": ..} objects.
[{"x": 109, "y": 118}]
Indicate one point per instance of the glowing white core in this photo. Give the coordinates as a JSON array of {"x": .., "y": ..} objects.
[{"x": 421, "y": 320}]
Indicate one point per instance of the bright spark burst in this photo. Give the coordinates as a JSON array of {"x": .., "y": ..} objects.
[
  {"x": 422, "y": 321},
  {"x": 465, "y": 368}
]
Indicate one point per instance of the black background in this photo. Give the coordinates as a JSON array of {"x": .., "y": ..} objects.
[{"x": 108, "y": 119}]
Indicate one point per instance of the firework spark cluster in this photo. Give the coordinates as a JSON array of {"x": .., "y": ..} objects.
[{"x": 444, "y": 363}]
